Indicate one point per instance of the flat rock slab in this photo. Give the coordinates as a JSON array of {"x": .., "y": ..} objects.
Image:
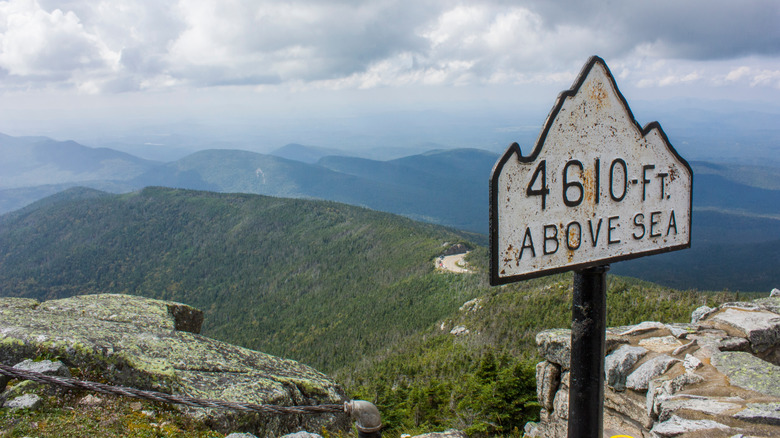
[
  {"x": 703, "y": 405},
  {"x": 654, "y": 367},
  {"x": 678, "y": 426},
  {"x": 748, "y": 372},
  {"x": 763, "y": 413},
  {"x": 760, "y": 327},
  {"x": 46, "y": 367},
  {"x": 130, "y": 309},
  {"x": 136, "y": 342},
  {"x": 663, "y": 344},
  {"x": 642, "y": 327}
]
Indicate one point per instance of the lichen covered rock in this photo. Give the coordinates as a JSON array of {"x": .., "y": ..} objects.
[{"x": 153, "y": 344}]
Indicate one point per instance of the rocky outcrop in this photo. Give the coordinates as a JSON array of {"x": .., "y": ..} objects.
[
  {"x": 457, "y": 248},
  {"x": 716, "y": 377},
  {"x": 155, "y": 345}
]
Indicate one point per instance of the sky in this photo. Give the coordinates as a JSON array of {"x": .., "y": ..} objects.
[{"x": 68, "y": 67}]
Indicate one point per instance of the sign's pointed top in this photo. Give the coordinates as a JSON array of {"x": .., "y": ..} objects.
[{"x": 592, "y": 190}]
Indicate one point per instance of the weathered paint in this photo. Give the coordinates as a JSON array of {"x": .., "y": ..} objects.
[{"x": 597, "y": 188}]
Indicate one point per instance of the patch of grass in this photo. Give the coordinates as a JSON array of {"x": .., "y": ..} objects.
[{"x": 65, "y": 417}]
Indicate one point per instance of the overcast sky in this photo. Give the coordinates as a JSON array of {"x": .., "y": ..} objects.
[{"x": 78, "y": 60}]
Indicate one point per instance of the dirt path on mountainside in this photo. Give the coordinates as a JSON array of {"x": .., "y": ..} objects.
[{"x": 452, "y": 263}]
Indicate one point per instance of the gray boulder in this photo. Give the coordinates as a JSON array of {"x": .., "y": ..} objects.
[
  {"x": 701, "y": 312},
  {"x": 734, "y": 344},
  {"x": 46, "y": 367},
  {"x": 760, "y": 327},
  {"x": 619, "y": 363},
  {"x": 654, "y": 367},
  {"x": 25, "y": 401},
  {"x": 662, "y": 389},
  {"x": 150, "y": 344},
  {"x": 555, "y": 345}
]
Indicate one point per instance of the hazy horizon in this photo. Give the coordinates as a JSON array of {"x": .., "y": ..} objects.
[{"x": 379, "y": 73}]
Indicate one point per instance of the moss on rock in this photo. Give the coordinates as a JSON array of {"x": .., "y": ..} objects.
[{"x": 138, "y": 342}]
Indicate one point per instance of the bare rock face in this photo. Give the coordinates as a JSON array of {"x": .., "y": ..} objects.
[
  {"x": 549, "y": 375},
  {"x": 617, "y": 364},
  {"x": 154, "y": 345},
  {"x": 640, "y": 378},
  {"x": 717, "y": 376}
]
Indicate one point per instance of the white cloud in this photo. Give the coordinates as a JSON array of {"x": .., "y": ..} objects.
[
  {"x": 766, "y": 77},
  {"x": 755, "y": 77},
  {"x": 54, "y": 44},
  {"x": 738, "y": 73}
]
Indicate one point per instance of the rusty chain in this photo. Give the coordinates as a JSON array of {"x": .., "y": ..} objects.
[{"x": 167, "y": 398}]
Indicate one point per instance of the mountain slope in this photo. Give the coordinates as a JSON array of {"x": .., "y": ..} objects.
[
  {"x": 348, "y": 290},
  {"x": 35, "y": 161},
  {"x": 450, "y": 186},
  {"x": 475, "y": 369},
  {"x": 424, "y": 197},
  {"x": 305, "y": 154},
  {"x": 320, "y": 282},
  {"x": 763, "y": 177},
  {"x": 717, "y": 192}
]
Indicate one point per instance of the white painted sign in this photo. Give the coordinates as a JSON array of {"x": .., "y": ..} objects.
[{"x": 597, "y": 188}]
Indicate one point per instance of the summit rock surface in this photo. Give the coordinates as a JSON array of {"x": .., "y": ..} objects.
[{"x": 154, "y": 345}]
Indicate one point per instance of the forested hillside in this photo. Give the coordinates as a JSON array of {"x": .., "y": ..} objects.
[
  {"x": 351, "y": 291},
  {"x": 320, "y": 282},
  {"x": 475, "y": 369}
]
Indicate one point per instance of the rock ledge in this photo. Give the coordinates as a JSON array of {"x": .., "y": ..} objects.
[
  {"x": 155, "y": 345},
  {"x": 717, "y": 376}
]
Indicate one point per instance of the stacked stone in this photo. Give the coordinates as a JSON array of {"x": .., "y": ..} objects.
[{"x": 716, "y": 376}]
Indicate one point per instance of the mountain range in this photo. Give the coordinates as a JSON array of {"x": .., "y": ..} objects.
[{"x": 736, "y": 207}]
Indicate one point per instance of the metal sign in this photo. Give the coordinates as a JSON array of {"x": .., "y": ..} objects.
[{"x": 597, "y": 188}]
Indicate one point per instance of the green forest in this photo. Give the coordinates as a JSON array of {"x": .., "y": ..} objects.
[{"x": 350, "y": 291}]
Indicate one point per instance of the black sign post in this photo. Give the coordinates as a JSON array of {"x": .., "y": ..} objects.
[
  {"x": 588, "y": 334},
  {"x": 596, "y": 189}
]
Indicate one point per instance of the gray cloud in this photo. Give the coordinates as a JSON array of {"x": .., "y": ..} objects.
[
  {"x": 109, "y": 46},
  {"x": 691, "y": 29}
]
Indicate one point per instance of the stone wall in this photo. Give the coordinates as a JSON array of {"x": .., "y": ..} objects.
[{"x": 718, "y": 376}]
